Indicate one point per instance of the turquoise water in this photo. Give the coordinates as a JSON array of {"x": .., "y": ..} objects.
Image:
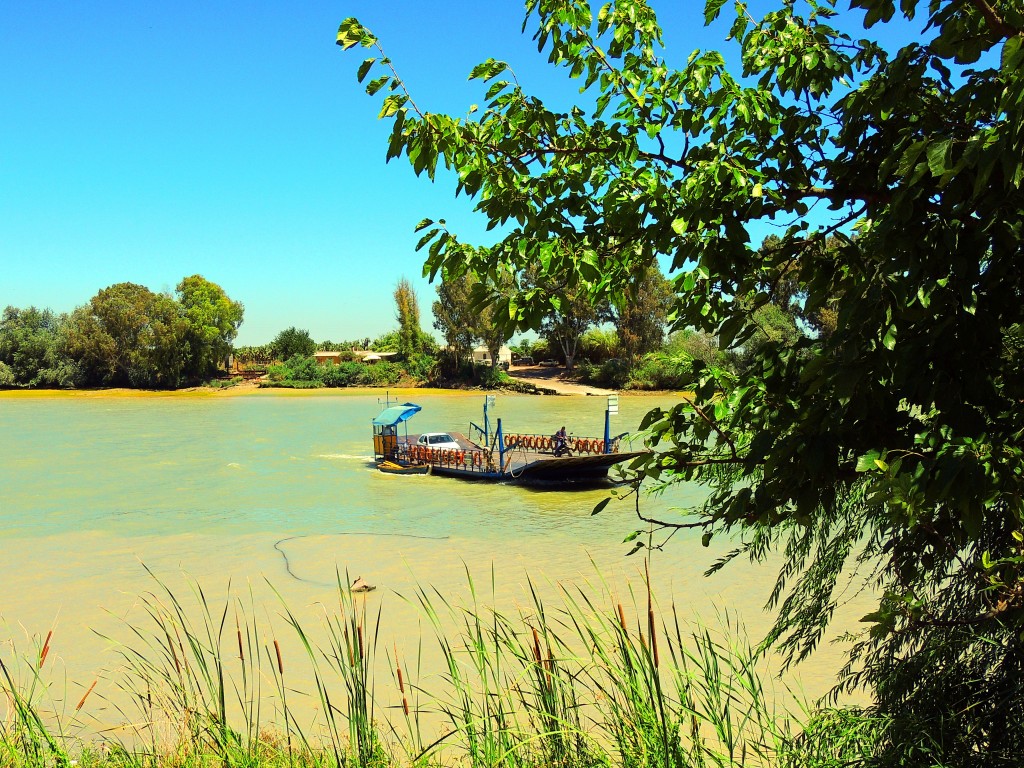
[{"x": 280, "y": 489}]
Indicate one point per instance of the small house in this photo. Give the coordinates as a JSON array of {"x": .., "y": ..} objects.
[
  {"x": 483, "y": 356},
  {"x": 327, "y": 358}
]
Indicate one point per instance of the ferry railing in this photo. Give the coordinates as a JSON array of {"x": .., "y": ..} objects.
[
  {"x": 578, "y": 445},
  {"x": 465, "y": 460}
]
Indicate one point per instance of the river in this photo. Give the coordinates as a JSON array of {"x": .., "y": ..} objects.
[{"x": 277, "y": 487}]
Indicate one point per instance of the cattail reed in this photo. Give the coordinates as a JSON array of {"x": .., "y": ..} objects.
[
  {"x": 622, "y": 618},
  {"x": 174, "y": 655},
  {"x": 401, "y": 684},
  {"x": 650, "y": 616},
  {"x": 280, "y": 663},
  {"x": 46, "y": 650},
  {"x": 81, "y": 702},
  {"x": 238, "y": 632}
]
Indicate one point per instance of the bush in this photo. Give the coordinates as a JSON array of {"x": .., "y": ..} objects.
[
  {"x": 611, "y": 374},
  {"x": 382, "y": 374},
  {"x": 289, "y": 384},
  {"x": 223, "y": 383},
  {"x": 660, "y": 371},
  {"x": 294, "y": 371},
  {"x": 422, "y": 367},
  {"x": 345, "y": 374},
  {"x": 305, "y": 373}
]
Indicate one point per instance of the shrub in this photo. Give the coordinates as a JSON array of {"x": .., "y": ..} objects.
[
  {"x": 346, "y": 374},
  {"x": 611, "y": 374},
  {"x": 422, "y": 367},
  {"x": 660, "y": 371},
  {"x": 381, "y": 374}
]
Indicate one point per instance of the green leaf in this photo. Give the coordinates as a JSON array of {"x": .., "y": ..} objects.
[
  {"x": 601, "y": 505},
  {"x": 889, "y": 340},
  {"x": 712, "y": 8},
  {"x": 866, "y": 463},
  {"x": 938, "y": 156},
  {"x": 364, "y": 68},
  {"x": 352, "y": 33}
]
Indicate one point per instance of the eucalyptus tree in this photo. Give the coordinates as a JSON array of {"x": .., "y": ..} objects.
[
  {"x": 464, "y": 312},
  {"x": 890, "y": 444},
  {"x": 213, "y": 322},
  {"x": 570, "y": 310},
  {"x": 640, "y": 313},
  {"x": 453, "y": 317},
  {"x": 407, "y": 312}
]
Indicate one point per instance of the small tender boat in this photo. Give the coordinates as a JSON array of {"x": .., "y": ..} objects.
[
  {"x": 496, "y": 457},
  {"x": 393, "y": 468}
]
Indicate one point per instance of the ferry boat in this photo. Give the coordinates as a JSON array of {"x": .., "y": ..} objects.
[{"x": 495, "y": 456}]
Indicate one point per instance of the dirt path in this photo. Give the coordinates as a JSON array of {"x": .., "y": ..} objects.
[{"x": 551, "y": 378}]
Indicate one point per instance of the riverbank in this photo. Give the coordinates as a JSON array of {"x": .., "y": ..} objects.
[{"x": 247, "y": 389}]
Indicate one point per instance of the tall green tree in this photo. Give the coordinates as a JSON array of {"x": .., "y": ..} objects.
[
  {"x": 213, "y": 322},
  {"x": 889, "y": 445},
  {"x": 570, "y": 307},
  {"x": 31, "y": 348},
  {"x": 454, "y": 317},
  {"x": 128, "y": 336},
  {"x": 291, "y": 342},
  {"x": 407, "y": 312},
  {"x": 640, "y": 313}
]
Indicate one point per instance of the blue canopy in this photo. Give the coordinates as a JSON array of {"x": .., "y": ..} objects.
[{"x": 396, "y": 414}]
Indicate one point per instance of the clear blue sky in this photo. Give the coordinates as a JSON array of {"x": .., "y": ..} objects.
[{"x": 145, "y": 142}]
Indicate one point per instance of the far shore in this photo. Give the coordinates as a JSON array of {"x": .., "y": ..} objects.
[{"x": 255, "y": 391}]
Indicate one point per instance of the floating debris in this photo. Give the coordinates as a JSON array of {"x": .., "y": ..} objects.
[{"x": 361, "y": 586}]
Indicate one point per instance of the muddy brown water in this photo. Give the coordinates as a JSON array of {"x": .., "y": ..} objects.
[{"x": 276, "y": 493}]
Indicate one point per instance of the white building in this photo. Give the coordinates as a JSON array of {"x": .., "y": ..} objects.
[{"x": 481, "y": 355}]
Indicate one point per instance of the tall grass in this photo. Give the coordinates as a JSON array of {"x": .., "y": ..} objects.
[{"x": 584, "y": 680}]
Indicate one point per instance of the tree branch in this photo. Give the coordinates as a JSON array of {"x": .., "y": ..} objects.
[{"x": 994, "y": 21}]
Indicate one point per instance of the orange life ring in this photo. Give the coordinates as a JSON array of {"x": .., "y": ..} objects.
[
  {"x": 476, "y": 458},
  {"x": 547, "y": 443},
  {"x": 460, "y": 457},
  {"x": 583, "y": 446},
  {"x": 528, "y": 442},
  {"x": 600, "y": 446}
]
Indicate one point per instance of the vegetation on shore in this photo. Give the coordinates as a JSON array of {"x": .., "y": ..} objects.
[
  {"x": 584, "y": 683},
  {"x": 126, "y": 336}
]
